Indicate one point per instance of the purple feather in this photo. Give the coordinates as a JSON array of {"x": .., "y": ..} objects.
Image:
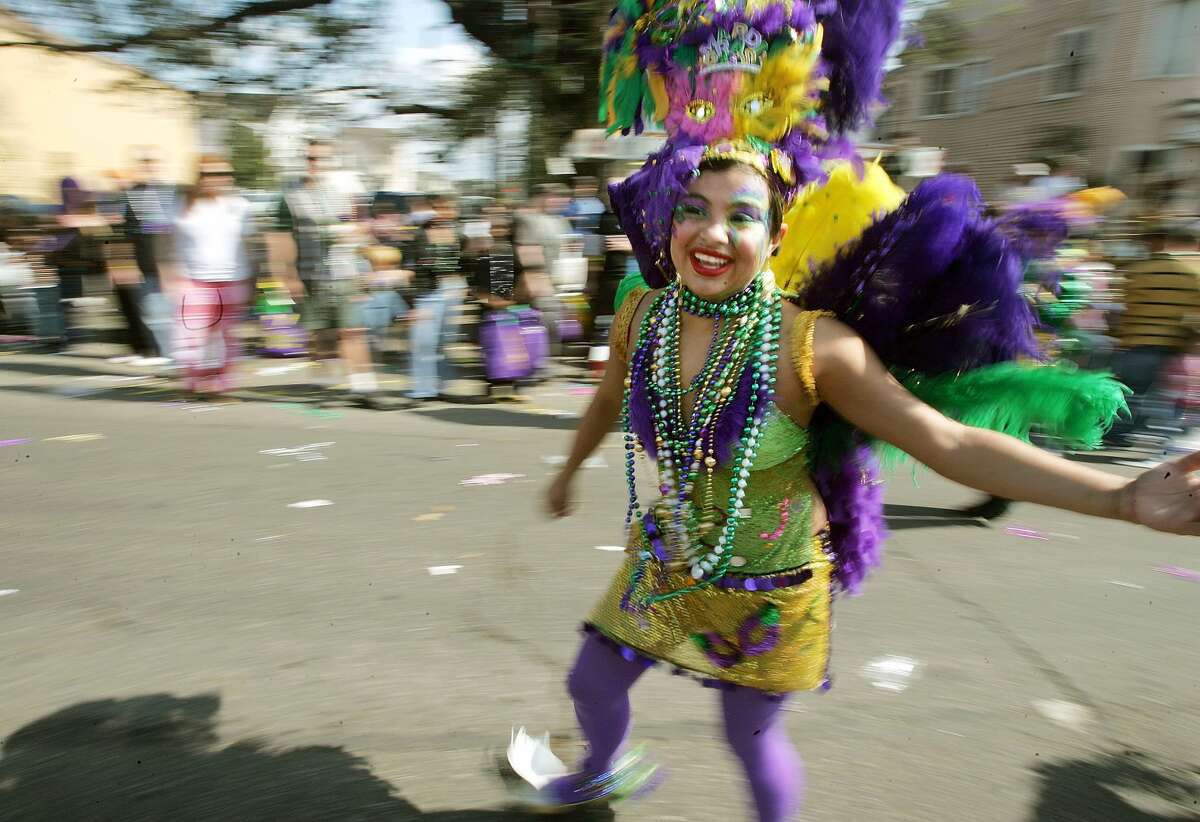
[
  {"x": 1037, "y": 229},
  {"x": 853, "y": 496},
  {"x": 933, "y": 287},
  {"x": 733, "y": 418},
  {"x": 858, "y": 36}
]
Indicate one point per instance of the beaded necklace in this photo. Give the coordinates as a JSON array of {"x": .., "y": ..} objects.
[{"x": 742, "y": 357}]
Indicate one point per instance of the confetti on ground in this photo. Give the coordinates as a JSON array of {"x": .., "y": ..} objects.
[
  {"x": 1066, "y": 714},
  {"x": 554, "y": 459},
  {"x": 467, "y": 445},
  {"x": 1026, "y": 533},
  {"x": 6, "y": 591},
  {"x": 471, "y": 556},
  {"x": 490, "y": 479},
  {"x": 270, "y": 538},
  {"x": 304, "y": 453},
  {"x": 282, "y": 369},
  {"x": 890, "y": 673},
  {"x": 75, "y": 438},
  {"x": 310, "y": 503},
  {"x": 595, "y": 462},
  {"x": 1182, "y": 573},
  {"x": 18, "y": 441},
  {"x": 610, "y": 547},
  {"x": 950, "y": 733},
  {"x": 436, "y": 515},
  {"x": 442, "y": 570},
  {"x": 1120, "y": 584}
]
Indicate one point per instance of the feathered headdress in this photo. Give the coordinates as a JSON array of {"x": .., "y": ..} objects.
[{"x": 772, "y": 83}]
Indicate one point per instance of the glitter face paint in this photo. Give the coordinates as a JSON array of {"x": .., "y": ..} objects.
[{"x": 721, "y": 237}]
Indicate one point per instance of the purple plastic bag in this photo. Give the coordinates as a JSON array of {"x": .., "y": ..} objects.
[
  {"x": 536, "y": 337},
  {"x": 506, "y": 356}
]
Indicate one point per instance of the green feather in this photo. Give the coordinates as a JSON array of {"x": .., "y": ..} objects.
[
  {"x": 1075, "y": 406},
  {"x": 686, "y": 56}
]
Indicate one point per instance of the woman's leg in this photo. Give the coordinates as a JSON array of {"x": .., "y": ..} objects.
[
  {"x": 234, "y": 297},
  {"x": 774, "y": 769},
  {"x": 599, "y": 685},
  {"x": 192, "y": 319}
]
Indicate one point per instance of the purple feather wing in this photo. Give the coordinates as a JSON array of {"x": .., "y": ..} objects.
[{"x": 933, "y": 287}]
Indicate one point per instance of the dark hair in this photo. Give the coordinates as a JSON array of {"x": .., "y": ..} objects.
[{"x": 775, "y": 198}]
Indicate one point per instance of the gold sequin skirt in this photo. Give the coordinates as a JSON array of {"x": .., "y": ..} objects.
[{"x": 774, "y": 638}]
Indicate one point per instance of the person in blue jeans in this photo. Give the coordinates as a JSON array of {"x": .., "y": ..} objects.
[{"x": 438, "y": 289}]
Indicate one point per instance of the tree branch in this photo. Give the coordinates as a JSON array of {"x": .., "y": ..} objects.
[{"x": 172, "y": 33}]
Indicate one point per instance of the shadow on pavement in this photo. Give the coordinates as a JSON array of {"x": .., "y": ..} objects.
[
  {"x": 1130, "y": 786},
  {"x": 157, "y": 757},
  {"x": 52, "y": 369},
  {"x": 906, "y": 517},
  {"x": 497, "y": 417}
]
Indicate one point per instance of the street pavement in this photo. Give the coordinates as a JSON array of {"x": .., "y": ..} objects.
[{"x": 271, "y": 610}]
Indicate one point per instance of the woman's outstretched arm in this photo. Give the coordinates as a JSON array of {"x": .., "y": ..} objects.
[{"x": 852, "y": 380}]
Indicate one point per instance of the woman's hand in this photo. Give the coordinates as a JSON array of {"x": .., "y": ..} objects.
[
  {"x": 1167, "y": 497},
  {"x": 559, "y": 495}
]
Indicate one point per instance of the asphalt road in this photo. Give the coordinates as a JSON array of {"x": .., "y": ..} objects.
[{"x": 180, "y": 642}]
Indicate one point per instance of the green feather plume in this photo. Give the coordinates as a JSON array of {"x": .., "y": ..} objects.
[{"x": 1075, "y": 406}]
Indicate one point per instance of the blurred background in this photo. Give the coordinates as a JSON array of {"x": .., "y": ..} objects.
[{"x": 226, "y": 226}]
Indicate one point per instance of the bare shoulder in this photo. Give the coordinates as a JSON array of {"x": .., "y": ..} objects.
[{"x": 838, "y": 347}]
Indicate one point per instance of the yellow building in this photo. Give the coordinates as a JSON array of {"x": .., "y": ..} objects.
[{"x": 63, "y": 115}]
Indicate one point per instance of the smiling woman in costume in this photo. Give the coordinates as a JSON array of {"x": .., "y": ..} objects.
[{"x": 780, "y": 275}]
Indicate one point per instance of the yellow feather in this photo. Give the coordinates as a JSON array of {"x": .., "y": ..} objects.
[
  {"x": 658, "y": 91},
  {"x": 782, "y": 90},
  {"x": 826, "y": 218}
]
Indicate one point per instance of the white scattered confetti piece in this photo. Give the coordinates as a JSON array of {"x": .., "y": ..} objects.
[
  {"x": 467, "y": 445},
  {"x": 1067, "y": 714},
  {"x": 554, "y": 459},
  {"x": 890, "y": 673},
  {"x": 75, "y": 438},
  {"x": 282, "y": 369},
  {"x": 610, "y": 547},
  {"x": 595, "y": 462},
  {"x": 303, "y": 452},
  {"x": 1120, "y": 584},
  {"x": 491, "y": 479},
  {"x": 311, "y": 503},
  {"x": 442, "y": 570},
  {"x": 950, "y": 733},
  {"x": 270, "y": 538},
  {"x": 6, "y": 591},
  {"x": 428, "y": 517}
]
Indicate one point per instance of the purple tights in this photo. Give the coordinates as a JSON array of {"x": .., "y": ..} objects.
[{"x": 599, "y": 685}]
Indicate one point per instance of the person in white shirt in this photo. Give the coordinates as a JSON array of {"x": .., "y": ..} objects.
[{"x": 211, "y": 274}]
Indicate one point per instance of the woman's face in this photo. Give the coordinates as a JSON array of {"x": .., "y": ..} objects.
[{"x": 722, "y": 233}]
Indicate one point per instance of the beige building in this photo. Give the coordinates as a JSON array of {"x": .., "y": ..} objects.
[
  {"x": 64, "y": 115},
  {"x": 1115, "y": 81}
]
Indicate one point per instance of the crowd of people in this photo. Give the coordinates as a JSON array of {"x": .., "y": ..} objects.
[
  {"x": 348, "y": 279},
  {"x": 326, "y": 271}
]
